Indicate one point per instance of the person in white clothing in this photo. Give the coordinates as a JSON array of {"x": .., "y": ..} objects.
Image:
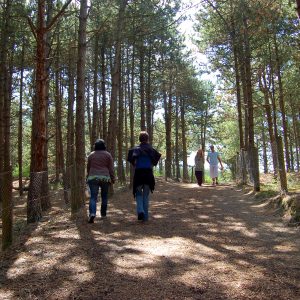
[{"x": 213, "y": 158}]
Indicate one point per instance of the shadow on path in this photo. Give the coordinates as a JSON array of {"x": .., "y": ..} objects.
[{"x": 200, "y": 243}]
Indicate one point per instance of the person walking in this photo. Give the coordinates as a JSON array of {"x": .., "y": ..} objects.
[
  {"x": 199, "y": 166},
  {"x": 100, "y": 174},
  {"x": 213, "y": 158},
  {"x": 143, "y": 157}
]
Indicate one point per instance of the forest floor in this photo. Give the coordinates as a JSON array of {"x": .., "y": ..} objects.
[{"x": 200, "y": 243}]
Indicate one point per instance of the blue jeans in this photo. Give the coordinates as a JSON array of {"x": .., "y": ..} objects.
[
  {"x": 142, "y": 200},
  {"x": 94, "y": 187}
]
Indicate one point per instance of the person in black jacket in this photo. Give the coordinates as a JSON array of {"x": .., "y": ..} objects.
[{"x": 143, "y": 158}]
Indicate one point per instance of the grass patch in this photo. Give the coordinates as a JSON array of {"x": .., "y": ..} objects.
[{"x": 266, "y": 194}]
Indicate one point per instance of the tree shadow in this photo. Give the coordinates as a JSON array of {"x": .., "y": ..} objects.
[{"x": 197, "y": 245}]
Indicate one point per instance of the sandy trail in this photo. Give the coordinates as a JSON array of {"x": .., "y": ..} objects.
[{"x": 200, "y": 243}]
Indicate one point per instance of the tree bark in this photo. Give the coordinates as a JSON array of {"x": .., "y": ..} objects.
[
  {"x": 78, "y": 201},
  {"x": 38, "y": 196},
  {"x": 282, "y": 172},
  {"x": 70, "y": 161},
  {"x": 131, "y": 109},
  {"x": 88, "y": 111},
  {"x": 96, "y": 114},
  {"x": 296, "y": 133},
  {"x": 6, "y": 172},
  {"x": 112, "y": 124},
  {"x": 142, "y": 88},
  {"x": 282, "y": 107},
  {"x": 253, "y": 158},
  {"x": 185, "y": 174},
  {"x": 238, "y": 86},
  {"x": 39, "y": 124},
  {"x": 177, "y": 173},
  {"x": 264, "y": 148},
  {"x": 121, "y": 174},
  {"x": 265, "y": 90},
  {"x": 149, "y": 110},
  {"x": 103, "y": 92},
  {"x": 59, "y": 151},
  {"x": 20, "y": 124},
  {"x": 245, "y": 100},
  {"x": 168, "y": 126}
]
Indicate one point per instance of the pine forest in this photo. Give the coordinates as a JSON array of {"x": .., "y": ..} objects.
[{"x": 192, "y": 74}]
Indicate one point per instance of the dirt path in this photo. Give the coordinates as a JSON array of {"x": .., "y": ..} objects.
[{"x": 200, "y": 243}]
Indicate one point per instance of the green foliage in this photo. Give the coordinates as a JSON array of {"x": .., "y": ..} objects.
[{"x": 25, "y": 173}]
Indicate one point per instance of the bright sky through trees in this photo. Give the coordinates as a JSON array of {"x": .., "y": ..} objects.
[{"x": 189, "y": 10}]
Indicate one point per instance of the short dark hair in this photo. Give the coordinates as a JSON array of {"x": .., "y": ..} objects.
[
  {"x": 99, "y": 145},
  {"x": 144, "y": 137}
]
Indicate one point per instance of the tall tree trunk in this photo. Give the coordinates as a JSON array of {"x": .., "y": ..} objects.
[
  {"x": 265, "y": 90},
  {"x": 95, "y": 117},
  {"x": 58, "y": 114},
  {"x": 177, "y": 165},
  {"x": 103, "y": 92},
  {"x": 45, "y": 196},
  {"x": 282, "y": 172},
  {"x": 238, "y": 86},
  {"x": 245, "y": 99},
  {"x": 39, "y": 124},
  {"x": 278, "y": 139},
  {"x": 142, "y": 88},
  {"x": 20, "y": 124},
  {"x": 88, "y": 110},
  {"x": 149, "y": 112},
  {"x": 131, "y": 109},
  {"x": 78, "y": 201},
  {"x": 296, "y": 132},
  {"x": 126, "y": 100},
  {"x": 282, "y": 107},
  {"x": 185, "y": 176},
  {"x": 38, "y": 196},
  {"x": 291, "y": 149},
  {"x": 254, "y": 163},
  {"x": 264, "y": 148},
  {"x": 168, "y": 126},
  {"x": 70, "y": 161},
  {"x": 111, "y": 138},
  {"x": 5, "y": 95},
  {"x": 121, "y": 174}
]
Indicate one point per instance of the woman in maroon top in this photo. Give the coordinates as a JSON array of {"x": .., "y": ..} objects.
[{"x": 100, "y": 174}]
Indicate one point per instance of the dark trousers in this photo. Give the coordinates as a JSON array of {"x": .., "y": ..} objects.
[
  {"x": 199, "y": 176},
  {"x": 94, "y": 188}
]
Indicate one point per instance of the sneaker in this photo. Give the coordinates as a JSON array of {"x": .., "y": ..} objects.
[
  {"x": 91, "y": 219},
  {"x": 141, "y": 216}
]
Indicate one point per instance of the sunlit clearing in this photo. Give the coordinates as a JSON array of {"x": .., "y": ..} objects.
[{"x": 142, "y": 258}]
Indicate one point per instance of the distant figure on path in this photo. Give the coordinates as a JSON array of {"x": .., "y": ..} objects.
[
  {"x": 199, "y": 166},
  {"x": 143, "y": 158},
  {"x": 213, "y": 158},
  {"x": 100, "y": 174}
]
